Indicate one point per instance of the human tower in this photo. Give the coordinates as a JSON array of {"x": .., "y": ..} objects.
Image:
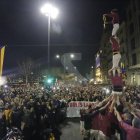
[{"x": 114, "y": 72}]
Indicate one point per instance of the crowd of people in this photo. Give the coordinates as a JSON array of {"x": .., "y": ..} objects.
[
  {"x": 38, "y": 114},
  {"x": 32, "y": 111},
  {"x": 114, "y": 116},
  {"x": 117, "y": 117}
]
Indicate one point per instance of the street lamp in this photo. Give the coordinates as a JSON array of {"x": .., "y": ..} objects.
[
  {"x": 62, "y": 58},
  {"x": 57, "y": 56},
  {"x": 51, "y": 12},
  {"x": 92, "y": 71},
  {"x": 72, "y": 56}
]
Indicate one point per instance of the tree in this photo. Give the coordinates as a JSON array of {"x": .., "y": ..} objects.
[{"x": 25, "y": 68}]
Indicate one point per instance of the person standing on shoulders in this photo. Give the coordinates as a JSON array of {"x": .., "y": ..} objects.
[{"x": 115, "y": 20}]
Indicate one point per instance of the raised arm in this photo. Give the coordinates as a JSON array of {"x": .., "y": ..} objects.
[
  {"x": 105, "y": 106},
  {"x": 108, "y": 15},
  {"x": 104, "y": 101},
  {"x": 117, "y": 114},
  {"x": 112, "y": 104}
]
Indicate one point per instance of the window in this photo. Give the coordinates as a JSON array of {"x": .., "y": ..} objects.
[
  {"x": 139, "y": 20},
  {"x": 123, "y": 51},
  {"x": 134, "y": 6},
  {"x": 138, "y": 4},
  {"x": 134, "y": 59},
  {"x": 130, "y": 14},
  {"x": 120, "y": 31},
  {"x": 133, "y": 44},
  {"x": 121, "y": 41},
  {"x": 131, "y": 28}
]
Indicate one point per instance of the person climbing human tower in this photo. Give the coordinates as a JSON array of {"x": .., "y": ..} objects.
[
  {"x": 116, "y": 55},
  {"x": 115, "y": 72},
  {"x": 114, "y": 40},
  {"x": 115, "y": 20}
]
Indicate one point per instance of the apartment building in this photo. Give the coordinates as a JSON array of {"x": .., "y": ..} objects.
[{"x": 133, "y": 41}]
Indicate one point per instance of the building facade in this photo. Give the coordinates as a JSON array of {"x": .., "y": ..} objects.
[
  {"x": 133, "y": 41},
  {"x": 124, "y": 62},
  {"x": 105, "y": 53},
  {"x": 129, "y": 35}
]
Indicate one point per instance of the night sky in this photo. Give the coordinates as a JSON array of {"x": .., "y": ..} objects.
[{"x": 78, "y": 28}]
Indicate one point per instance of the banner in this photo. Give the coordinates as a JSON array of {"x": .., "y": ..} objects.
[
  {"x": 2, "y": 50},
  {"x": 74, "y": 107}
]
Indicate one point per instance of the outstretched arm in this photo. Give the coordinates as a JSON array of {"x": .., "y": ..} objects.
[
  {"x": 112, "y": 104},
  {"x": 117, "y": 114},
  {"x": 134, "y": 114},
  {"x": 104, "y": 101},
  {"x": 105, "y": 106},
  {"x": 105, "y": 20},
  {"x": 108, "y": 15}
]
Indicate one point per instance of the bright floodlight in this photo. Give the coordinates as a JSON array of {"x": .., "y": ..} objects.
[
  {"x": 49, "y": 81},
  {"x": 57, "y": 56},
  {"x": 5, "y": 86},
  {"x": 49, "y": 10},
  {"x": 72, "y": 55},
  {"x": 3, "y": 81}
]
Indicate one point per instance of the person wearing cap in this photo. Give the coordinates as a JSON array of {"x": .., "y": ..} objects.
[{"x": 115, "y": 20}]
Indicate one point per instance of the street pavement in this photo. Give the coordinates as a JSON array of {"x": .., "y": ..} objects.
[{"x": 71, "y": 129}]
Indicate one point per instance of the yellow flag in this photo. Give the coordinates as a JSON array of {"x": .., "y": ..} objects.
[{"x": 2, "y": 50}]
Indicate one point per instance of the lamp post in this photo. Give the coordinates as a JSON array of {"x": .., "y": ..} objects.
[
  {"x": 57, "y": 56},
  {"x": 92, "y": 70},
  {"x": 51, "y": 12}
]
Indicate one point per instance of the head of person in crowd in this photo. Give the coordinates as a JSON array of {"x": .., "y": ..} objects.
[
  {"x": 120, "y": 108},
  {"x": 136, "y": 122},
  {"x": 8, "y": 106},
  {"x": 114, "y": 11},
  {"x": 127, "y": 117},
  {"x": 82, "y": 111},
  {"x": 103, "y": 112},
  {"x": 90, "y": 106}
]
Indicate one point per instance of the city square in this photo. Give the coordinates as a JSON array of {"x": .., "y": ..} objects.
[{"x": 70, "y": 70}]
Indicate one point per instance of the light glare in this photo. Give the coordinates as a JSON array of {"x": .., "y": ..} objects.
[
  {"x": 57, "y": 56},
  {"x": 49, "y": 10},
  {"x": 72, "y": 56},
  {"x": 3, "y": 81}
]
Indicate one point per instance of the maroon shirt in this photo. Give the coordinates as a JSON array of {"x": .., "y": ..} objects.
[
  {"x": 131, "y": 132},
  {"x": 114, "y": 16},
  {"x": 117, "y": 80},
  {"x": 102, "y": 123},
  {"x": 115, "y": 44}
]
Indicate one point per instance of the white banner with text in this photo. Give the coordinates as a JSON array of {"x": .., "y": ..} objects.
[{"x": 74, "y": 107}]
